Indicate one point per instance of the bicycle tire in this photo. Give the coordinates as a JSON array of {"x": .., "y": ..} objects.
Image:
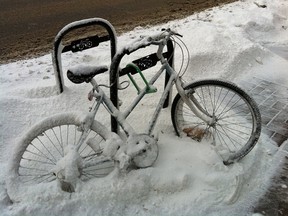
[
  {"x": 43, "y": 146},
  {"x": 238, "y": 119}
]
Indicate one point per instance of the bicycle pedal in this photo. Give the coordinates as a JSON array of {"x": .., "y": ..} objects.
[{"x": 67, "y": 187}]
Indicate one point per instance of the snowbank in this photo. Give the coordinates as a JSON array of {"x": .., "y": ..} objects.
[{"x": 188, "y": 178}]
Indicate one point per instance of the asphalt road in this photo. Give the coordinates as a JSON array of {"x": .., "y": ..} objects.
[{"x": 27, "y": 28}]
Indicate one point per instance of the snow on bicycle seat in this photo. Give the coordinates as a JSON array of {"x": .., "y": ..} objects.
[{"x": 84, "y": 73}]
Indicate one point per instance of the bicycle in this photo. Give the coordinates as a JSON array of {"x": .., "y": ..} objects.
[{"x": 69, "y": 147}]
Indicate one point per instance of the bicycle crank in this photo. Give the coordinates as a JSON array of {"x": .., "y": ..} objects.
[{"x": 146, "y": 150}]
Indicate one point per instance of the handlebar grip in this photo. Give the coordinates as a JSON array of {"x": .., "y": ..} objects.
[
  {"x": 131, "y": 49},
  {"x": 156, "y": 39}
]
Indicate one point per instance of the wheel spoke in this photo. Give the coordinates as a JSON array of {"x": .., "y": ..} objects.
[
  {"x": 38, "y": 161},
  {"x": 43, "y": 154},
  {"x": 237, "y": 132},
  {"x": 60, "y": 143},
  {"x": 94, "y": 175},
  {"x": 39, "y": 179},
  {"x": 52, "y": 143},
  {"x": 97, "y": 168},
  {"x": 54, "y": 159},
  {"x": 229, "y": 109}
]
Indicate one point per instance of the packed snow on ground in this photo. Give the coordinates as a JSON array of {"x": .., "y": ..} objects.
[{"x": 231, "y": 42}]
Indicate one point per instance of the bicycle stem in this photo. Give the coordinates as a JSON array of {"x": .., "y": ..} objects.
[{"x": 160, "y": 51}]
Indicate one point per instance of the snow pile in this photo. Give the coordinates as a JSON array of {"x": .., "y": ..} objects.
[{"x": 188, "y": 178}]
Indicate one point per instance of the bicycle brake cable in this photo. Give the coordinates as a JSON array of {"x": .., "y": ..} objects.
[
  {"x": 182, "y": 52},
  {"x": 119, "y": 88},
  {"x": 127, "y": 85},
  {"x": 188, "y": 56}
]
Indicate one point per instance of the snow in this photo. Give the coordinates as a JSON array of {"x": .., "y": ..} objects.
[{"x": 232, "y": 42}]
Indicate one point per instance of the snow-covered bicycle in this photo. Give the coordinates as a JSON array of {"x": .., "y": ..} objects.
[{"x": 69, "y": 147}]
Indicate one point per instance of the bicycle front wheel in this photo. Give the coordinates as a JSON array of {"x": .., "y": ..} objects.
[
  {"x": 37, "y": 154},
  {"x": 237, "y": 121}
]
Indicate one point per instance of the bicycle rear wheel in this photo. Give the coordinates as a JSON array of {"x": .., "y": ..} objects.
[
  {"x": 37, "y": 154},
  {"x": 237, "y": 124}
]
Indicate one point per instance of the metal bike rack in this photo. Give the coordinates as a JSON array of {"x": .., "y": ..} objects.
[
  {"x": 75, "y": 46},
  {"x": 90, "y": 42},
  {"x": 94, "y": 41}
]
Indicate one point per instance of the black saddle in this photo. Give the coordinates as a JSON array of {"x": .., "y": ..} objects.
[{"x": 84, "y": 73}]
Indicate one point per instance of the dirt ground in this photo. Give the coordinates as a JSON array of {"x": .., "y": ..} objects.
[{"x": 28, "y": 28}]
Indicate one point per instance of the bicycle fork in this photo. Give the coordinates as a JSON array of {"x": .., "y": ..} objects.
[{"x": 197, "y": 110}]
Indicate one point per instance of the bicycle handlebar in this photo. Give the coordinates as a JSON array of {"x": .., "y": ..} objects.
[
  {"x": 165, "y": 34},
  {"x": 157, "y": 39}
]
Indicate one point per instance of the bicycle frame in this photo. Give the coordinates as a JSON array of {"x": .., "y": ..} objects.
[{"x": 121, "y": 116}]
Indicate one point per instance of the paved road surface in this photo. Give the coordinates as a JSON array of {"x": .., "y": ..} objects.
[{"x": 29, "y": 27}]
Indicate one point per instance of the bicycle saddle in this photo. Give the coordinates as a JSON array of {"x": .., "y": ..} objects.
[{"x": 84, "y": 73}]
